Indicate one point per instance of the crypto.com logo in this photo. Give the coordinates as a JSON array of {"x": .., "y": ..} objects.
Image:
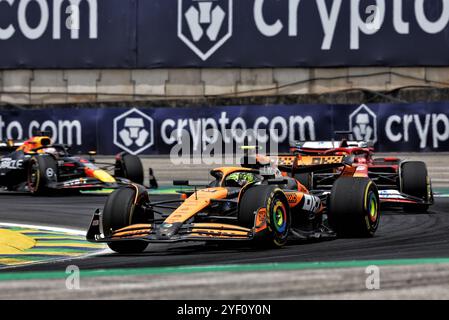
[
  {"x": 133, "y": 131},
  {"x": 363, "y": 124},
  {"x": 205, "y": 25}
]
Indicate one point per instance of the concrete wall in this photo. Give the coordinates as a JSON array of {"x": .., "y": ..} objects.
[{"x": 89, "y": 86}]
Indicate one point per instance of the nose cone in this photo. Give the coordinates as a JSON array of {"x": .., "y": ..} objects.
[
  {"x": 104, "y": 176},
  {"x": 101, "y": 175}
]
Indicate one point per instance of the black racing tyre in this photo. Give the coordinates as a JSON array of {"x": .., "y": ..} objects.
[
  {"x": 415, "y": 181},
  {"x": 305, "y": 179},
  {"x": 131, "y": 168},
  {"x": 278, "y": 214},
  {"x": 41, "y": 171},
  {"x": 119, "y": 212},
  {"x": 128, "y": 247},
  {"x": 354, "y": 207}
]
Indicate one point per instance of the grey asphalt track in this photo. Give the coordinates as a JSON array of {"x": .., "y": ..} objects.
[{"x": 401, "y": 235}]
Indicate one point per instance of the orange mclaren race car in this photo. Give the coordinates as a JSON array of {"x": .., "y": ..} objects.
[
  {"x": 243, "y": 204},
  {"x": 39, "y": 167}
]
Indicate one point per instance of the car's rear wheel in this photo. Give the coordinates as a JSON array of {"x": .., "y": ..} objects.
[
  {"x": 41, "y": 171},
  {"x": 415, "y": 181},
  {"x": 277, "y": 217},
  {"x": 119, "y": 212},
  {"x": 353, "y": 208},
  {"x": 130, "y": 167}
]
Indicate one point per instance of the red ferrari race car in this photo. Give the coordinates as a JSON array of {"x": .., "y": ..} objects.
[{"x": 401, "y": 183}]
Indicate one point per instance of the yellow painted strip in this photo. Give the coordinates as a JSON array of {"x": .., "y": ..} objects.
[
  {"x": 58, "y": 237},
  {"x": 65, "y": 244},
  {"x": 7, "y": 249},
  {"x": 49, "y": 253},
  {"x": 13, "y": 241},
  {"x": 11, "y": 261},
  {"x": 20, "y": 246}
]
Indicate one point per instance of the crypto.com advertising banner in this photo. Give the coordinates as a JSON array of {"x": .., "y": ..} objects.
[
  {"x": 287, "y": 33},
  {"x": 222, "y": 33},
  {"x": 67, "y": 34},
  {"x": 152, "y": 131}
]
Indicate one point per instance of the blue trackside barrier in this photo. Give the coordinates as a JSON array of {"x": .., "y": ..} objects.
[{"x": 153, "y": 131}]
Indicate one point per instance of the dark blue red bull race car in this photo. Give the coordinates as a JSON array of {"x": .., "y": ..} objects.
[{"x": 41, "y": 168}]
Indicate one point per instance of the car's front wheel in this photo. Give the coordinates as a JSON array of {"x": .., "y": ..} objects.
[
  {"x": 353, "y": 207},
  {"x": 275, "y": 211},
  {"x": 119, "y": 212},
  {"x": 415, "y": 181}
]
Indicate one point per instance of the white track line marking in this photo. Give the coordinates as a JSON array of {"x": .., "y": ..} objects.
[
  {"x": 45, "y": 228},
  {"x": 60, "y": 260}
]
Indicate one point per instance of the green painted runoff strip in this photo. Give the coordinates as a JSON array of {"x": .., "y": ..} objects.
[{"x": 222, "y": 268}]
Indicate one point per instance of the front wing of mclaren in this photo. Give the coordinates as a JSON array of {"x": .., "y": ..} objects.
[{"x": 163, "y": 232}]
